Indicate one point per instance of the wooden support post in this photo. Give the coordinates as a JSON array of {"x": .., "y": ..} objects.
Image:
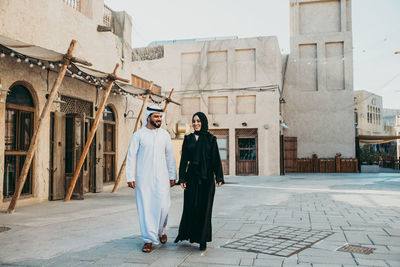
[
  {"x": 134, "y": 130},
  {"x": 45, "y": 113},
  {"x": 99, "y": 113},
  {"x": 168, "y": 100}
]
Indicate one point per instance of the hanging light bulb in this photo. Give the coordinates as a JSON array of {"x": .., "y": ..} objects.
[
  {"x": 79, "y": 73},
  {"x": 51, "y": 65},
  {"x": 19, "y": 60},
  {"x": 12, "y": 54},
  {"x": 114, "y": 93},
  {"x": 26, "y": 59},
  {"x": 31, "y": 65},
  {"x": 43, "y": 67},
  {"x": 2, "y": 55},
  {"x": 59, "y": 64},
  {"x": 39, "y": 63}
]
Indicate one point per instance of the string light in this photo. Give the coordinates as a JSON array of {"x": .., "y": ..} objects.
[
  {"x": 51, "y": 65},
  {"x": 19, "y": 60},
  {"x": 12, "y": 54},
  {"x": 2, "y": 55},
  {"x": 39, "y": 63},
  {"x": 27, "y": 60},
  {"x": 43, "y": 67},
  {"x": 31, "y": 65}
]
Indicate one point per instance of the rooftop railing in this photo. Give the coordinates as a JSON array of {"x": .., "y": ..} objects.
[
  {"x": 107, "y": 16},
  {"x": 75, "y": 4}
]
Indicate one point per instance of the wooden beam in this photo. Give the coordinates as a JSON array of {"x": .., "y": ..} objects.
[
  {"x": 45, "y": 113},
  {"x": 92, "y": 133},
  {"x": 118, "y": 179},
  {"x": 168, "y": 100}
]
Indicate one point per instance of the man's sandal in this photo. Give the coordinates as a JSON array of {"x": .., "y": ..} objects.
[
  {"x": 163, "y": 239},
  {"x": 147, "y": 247}
]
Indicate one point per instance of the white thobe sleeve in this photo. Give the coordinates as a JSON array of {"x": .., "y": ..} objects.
[
  {"x": 131, "y": 158},
  {"x": 170, "y": 158}
]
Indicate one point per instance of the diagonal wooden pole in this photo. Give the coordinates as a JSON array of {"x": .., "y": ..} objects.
[
  {"x": 168, "y": 100},
  {"x": 134, "y": 130},
  {"x": 112, "y": 78},
  {"x": 45, "y": 112}
]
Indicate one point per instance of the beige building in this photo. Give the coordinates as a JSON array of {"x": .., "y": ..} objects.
[
  {"x": 318, "y": 85},
  {"x": 236, "y": 83},
  {"x": 244, "y": 84},
  {"x": 52, "y": 25},
  {"x": 369, "y": 109}
]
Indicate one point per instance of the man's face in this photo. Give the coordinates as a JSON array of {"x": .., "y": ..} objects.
[{"x": 155, "y": 119}]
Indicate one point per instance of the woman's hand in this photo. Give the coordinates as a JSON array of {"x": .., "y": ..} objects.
[
  {"x": 219, "y": 184},
  {"x": 183, "y": 185}
]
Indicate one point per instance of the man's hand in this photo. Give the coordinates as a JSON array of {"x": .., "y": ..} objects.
[
  {"x": 183, "y": 185},
  {"x": 132, "y": 185},
  {"x": 171, "y": 183},
  {"x": 219, "y": 184}
]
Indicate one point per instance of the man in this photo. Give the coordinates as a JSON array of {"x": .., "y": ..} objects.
[{"x": 151, "y": 151}]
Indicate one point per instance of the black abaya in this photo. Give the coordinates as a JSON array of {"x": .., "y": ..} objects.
[{"x": 200, "y": 178}]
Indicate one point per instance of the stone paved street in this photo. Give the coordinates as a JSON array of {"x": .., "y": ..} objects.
[{"x": 102, "y": 230}]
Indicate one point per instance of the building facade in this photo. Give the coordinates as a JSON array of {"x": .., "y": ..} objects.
[
  {"x": 51, "y": 25},
  {"x": 318, "y": 84},
  {"x": 236, "y": 83},
  {"x": 311, "y": 107},
  {"x": 369, "y": 108}
]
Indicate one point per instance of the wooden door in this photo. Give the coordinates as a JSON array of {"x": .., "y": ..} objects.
[
  {"x": 223, "y": 146},
  {"x": 57, "y": 156},
  {"x": 88, "y": 168},
  {"x": 99, "y": 162},
  {"x": 246, "y": 152},
  {"x": 290, "y": 154},
  {"x": 73, "y": 150}
]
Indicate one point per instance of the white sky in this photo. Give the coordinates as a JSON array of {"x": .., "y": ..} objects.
[{"x": 376, "y": 31}]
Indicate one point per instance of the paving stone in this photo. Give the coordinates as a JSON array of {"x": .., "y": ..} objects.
[{"x": 268, "y": 262}]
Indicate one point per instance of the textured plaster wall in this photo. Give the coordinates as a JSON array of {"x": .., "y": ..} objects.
[
  {"x": 320, "y": 116},
  {"x": 268, "y": 71},
  {"x": 53, "y": 24}
]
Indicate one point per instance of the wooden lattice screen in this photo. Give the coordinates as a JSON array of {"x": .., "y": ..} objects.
[{"x": 75, "y": 105}]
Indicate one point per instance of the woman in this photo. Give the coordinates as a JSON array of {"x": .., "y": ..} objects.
[{"x": 200, "y": 170}]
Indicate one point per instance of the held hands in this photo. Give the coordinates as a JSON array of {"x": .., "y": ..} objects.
[
  {"x": 132, "y": 185},
  {"x": 183, "y": 185},
  {"x": 171, "y": 183}
]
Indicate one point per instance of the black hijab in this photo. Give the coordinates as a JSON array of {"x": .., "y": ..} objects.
[
  {"x": 200, "y": 155},
  {"x": 204, "y": 123}
]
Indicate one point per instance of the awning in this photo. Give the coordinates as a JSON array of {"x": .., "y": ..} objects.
[
  {"x": 378, "y": 139},
  {"x": 78, "y": 69},
  {"x": 31, "y": 50}
]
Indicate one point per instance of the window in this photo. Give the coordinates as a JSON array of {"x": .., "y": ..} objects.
[
  {"x": 109, "y": 145},
  {"x": 19, "y": 121}
]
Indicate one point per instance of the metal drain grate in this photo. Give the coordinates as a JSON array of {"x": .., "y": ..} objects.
[
  {"x": 279, "y": 241},
  {"x": 356, "y": 249},
  {"x": 4, "y": 229}
]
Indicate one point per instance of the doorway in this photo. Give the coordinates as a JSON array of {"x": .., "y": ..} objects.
[
  {"x": 246, "y": 152},
  {"x": 223, "y": 146}
]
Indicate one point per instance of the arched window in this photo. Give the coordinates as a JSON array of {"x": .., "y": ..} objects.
[
  {"x": 19, "y": 125},
  {"x": 109, "y": 145}
]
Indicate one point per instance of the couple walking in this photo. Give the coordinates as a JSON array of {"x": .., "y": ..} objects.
[{"x": 151, "y": 171}]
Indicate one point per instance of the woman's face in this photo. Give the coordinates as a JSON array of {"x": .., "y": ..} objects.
[{"x": 196, "y": 123}]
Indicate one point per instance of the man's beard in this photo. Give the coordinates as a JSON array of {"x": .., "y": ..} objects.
[{"x": 154, "y": 124}]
